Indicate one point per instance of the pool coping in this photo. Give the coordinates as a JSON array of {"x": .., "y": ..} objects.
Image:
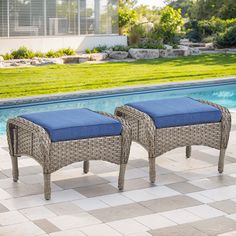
[{"x": 111, "y": 91}]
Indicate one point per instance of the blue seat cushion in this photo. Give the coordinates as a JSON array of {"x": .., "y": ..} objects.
[
  {"x": 178, "y": 112},
  {"x": 75, "y": 124}
]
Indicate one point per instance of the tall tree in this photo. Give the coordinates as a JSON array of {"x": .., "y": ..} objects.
[
  {"x": 184, "y": 5},
  {"x": 127, "y": 15},
  {"x": 206, "y": 9}
]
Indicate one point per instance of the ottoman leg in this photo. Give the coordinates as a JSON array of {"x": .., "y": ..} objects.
[
  {"x": 47, "y": 186},
  {"x": 188, "y": 151},
  {"x": 15, "y": 170},
  {"x": 121, "y": 176},
  {"x": 152, "y": 169},
  {"x": 86, "y": 167},
  {"x": 221, "y": 161}
]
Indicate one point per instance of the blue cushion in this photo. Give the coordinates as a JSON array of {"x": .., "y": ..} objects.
[
  {"x": 178, "y": 112},
  {"x": 75, "y": 124}
]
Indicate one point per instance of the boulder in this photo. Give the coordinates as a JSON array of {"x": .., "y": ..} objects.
[
  {"x": 194, "y": 51},
  {"x": 118, "y": 55},
  {"x": 210, "y": 45},
  {"x": 14, "y": 64},
  {"x": 71, "y": 59},
  {"x": 55, "y": 61},
  {"x": 98, "y": 56},
  {"x": 140, "y": 53},
  {"x": 184, "y": 41},
  {"x": 163, "y": 53},
  {"x": 35, "y": 62},
  {"x": 168, "y": 46},
  {"x": 186, "y": 49},
  {"x": 177, "y": 53},
  {"x": 1, "y": 58}
]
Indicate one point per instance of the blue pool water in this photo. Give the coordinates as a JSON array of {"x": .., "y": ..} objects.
[{"x": 221, "y": 93}]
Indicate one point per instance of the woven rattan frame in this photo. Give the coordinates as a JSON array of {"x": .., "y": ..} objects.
[
  {"x": 159, "y": 141},
  {"x": 27, "y": 138}
]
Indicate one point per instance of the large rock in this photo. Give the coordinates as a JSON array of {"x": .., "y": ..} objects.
[
  {"x": 194, "y": 51},
  {"x": 1, "y": 58},
  {"x": 177, "y": 53},
  {"x": 118, "y": 55},
  {"x": 98, "y": 56},
  {"x": 71, "y": 59},
  {"x": 164, "y": 53},
  {"x": 55, "y": 60},
  {"x": 139, "y": 53},
  {"x": 168, "y": 46},
  {"x": 187, "y": 50},
  {"x": 35, "y": 62}
]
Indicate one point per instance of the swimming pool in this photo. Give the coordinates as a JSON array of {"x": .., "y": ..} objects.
[{"x": 221, "y": 92}]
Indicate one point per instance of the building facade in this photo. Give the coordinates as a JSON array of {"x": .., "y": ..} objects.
[{"x": 52, "y": 24}]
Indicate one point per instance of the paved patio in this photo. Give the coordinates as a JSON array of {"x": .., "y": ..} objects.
[{"x": 189, "y": 198}]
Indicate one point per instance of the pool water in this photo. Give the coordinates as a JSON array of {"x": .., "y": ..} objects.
[{"x": 221, "y": 93}]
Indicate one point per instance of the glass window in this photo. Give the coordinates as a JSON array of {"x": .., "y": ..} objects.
[
  {"x": 58, "y": 17},
  {"x": 87, "y": 17},
  {"x": 62, "y": 17},
  {"x": 3, "y": 19},
  {"x": 26, "y": 18}
]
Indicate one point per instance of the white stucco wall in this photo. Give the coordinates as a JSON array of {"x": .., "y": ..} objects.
[{"x": 44, "y": 44}]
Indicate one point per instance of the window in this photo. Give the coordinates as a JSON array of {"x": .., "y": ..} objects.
[{"x": 58, "y": 17}]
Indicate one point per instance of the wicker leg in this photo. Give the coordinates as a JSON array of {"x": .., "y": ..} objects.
[
  {"x": 152, "y": 169},
  {"x": 86, "y": 167},
  {"x": 188, "y": 151},
  {"x": 221, "y": 161},
  {"x": 121, "y": 177},
  {"x": 47, "y": 186},
  {"x": 15, "y": 170}
]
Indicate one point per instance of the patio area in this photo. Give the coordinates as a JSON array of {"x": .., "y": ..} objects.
[{"x": 189, "y": 198}]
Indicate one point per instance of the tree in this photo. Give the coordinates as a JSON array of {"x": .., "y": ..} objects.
[
  {"x": 184, "y": 5},
  {"x": 206, "y": 9},
  {"x": 147, "y": 14},
  {"x": 127, "y": 15},
  {"x": 171, "y": 22}
]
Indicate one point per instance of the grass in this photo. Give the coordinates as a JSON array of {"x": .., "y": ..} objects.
[{"x": 20, "y": 82}]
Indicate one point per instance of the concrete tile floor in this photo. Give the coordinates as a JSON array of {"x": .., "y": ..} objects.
[{"x": 189, "y": 198}]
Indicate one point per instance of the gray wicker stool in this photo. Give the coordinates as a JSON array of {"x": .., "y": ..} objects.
[
  {"x": 158, "y": 141},
  {"x": 28, "y": 138}
]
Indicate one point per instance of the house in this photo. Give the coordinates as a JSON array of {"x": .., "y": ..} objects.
[{"x": 52, "y": 24}]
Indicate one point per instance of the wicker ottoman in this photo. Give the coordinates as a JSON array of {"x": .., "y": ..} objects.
[
  {"x": 57, "y": 139},
  {"x": 176, "y": 128}
]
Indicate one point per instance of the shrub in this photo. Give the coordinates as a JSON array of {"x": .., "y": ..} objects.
[
  {"x": 7, "y": 56},
  {"x": 170, "y": 25},
  {"x": 121, "y": 48},
  {"x": 68, "y": 51},
  {"x": 199, "y": 30},
  {"x": 39, "y": 54},
  {"x": 22, "y": 53},
  {"x": 151, "y": 44},
  {"x": 96, "y": 49},
  {"x": 226, "y": 39},
  {"x": 101, "y": 48},
  {"x": 136, "y": 32},
  {"x": 51, "y": 54},
  {"x": 59, "y": 53},
  {"x": 25, "y": 53},
  {"x": 88, "y": 50},
  {"x": 208, "y": 39}
]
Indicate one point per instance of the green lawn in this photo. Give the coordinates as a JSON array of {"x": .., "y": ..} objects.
[{"x": 21, "y": 82}]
